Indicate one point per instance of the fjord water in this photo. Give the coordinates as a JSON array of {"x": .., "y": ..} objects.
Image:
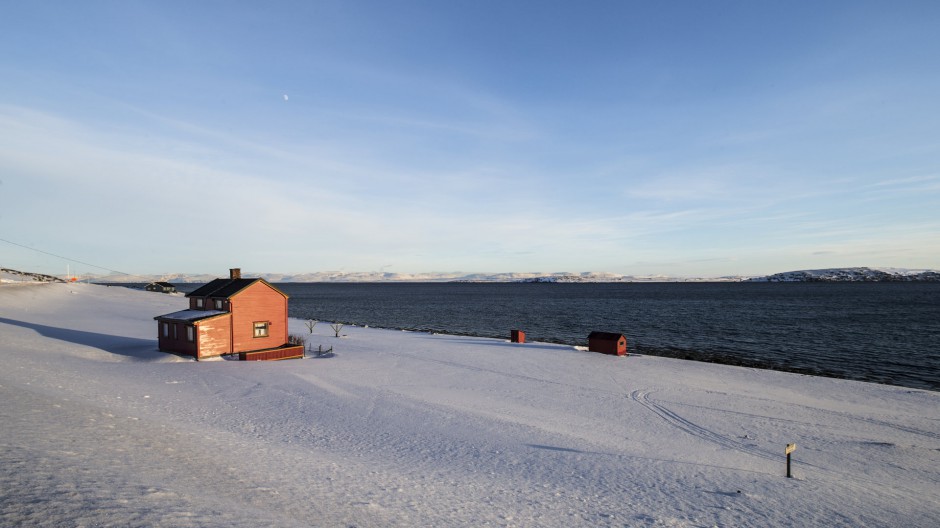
[{"x": 881, "y": 332}]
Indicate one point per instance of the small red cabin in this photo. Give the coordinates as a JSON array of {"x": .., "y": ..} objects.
[
  {"x": 517, "y": 336},
  {"x": 607, "y": 343},
  {"x": 229, "y": 316}
]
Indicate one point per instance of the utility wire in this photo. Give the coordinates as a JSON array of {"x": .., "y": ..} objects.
[{"x": 70, "y": 259}]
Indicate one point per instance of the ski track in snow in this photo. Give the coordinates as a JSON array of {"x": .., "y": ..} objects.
[{"x": 642, "y": 397}]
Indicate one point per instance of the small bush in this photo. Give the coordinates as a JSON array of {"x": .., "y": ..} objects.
[{"x": 336, "y": 328}]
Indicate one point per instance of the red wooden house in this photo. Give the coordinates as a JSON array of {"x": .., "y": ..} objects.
[{"x": 230, "y": 316}]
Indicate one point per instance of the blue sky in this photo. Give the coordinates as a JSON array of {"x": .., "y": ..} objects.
[{"x": 681, "y": 138}]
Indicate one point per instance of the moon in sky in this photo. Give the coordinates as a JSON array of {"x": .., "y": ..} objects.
[{"x": 285, "y": 97}]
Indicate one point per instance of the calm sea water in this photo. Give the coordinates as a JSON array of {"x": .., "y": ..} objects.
[{"x": 881, "y": 332}]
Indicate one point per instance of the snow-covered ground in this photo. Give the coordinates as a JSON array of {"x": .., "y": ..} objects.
[{"x": 97, "y": 428}]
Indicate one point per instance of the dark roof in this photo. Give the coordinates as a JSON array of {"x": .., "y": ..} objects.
[
  {"x": 226, "y": 288},
  {"x": 606, "y": 336},
  {"x": 221, "y": 288},
  {"x": 164, "y": 284}
]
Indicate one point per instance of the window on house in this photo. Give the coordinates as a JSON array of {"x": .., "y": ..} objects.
[
  {"x": 176, "y": 331},
  {"x": 261, "y": 329},
  {"x": 218, "y": 304},
  {"x": 190, "y": 334},
  {"x": 166, "y": 330},
  {"x": 199, "y": 303}
]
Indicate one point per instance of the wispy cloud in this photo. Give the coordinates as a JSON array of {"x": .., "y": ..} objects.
[{"x": 418, "y": 142}]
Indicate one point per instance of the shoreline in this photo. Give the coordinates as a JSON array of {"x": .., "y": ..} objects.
[
  {"x": 679, "y": 354},
  {"x": 708, "y": 357}
]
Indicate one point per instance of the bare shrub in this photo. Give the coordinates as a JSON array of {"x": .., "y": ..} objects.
[{"x": 337, "y": 327}]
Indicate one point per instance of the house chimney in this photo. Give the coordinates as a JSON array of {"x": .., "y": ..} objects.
[{"x": 235, "y": 273}]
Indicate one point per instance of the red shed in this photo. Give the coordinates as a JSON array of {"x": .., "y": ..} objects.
[
  {"x": 607, "y": 343},
  {"x": 228, "y": 316}
]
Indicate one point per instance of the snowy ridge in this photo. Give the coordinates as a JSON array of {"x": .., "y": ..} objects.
[
  {"x": 861, "y": 274},
  {"x": 366, "y": 276},
  {"x": 853, "y": 275},
  {"x": 613, "y": 277},
  {"x": 344, "y": 276},
  {"x": 11, "y": 275}
]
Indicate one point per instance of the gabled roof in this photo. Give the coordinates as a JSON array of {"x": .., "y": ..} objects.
[{"x": 226, "y": 288}]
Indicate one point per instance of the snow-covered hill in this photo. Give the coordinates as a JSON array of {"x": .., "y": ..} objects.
[
  {"x": 11, "y": 275},
  {"x": 853, "y": 275}
]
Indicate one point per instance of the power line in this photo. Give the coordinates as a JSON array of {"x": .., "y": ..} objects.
[{"x": 69, "y": 259}]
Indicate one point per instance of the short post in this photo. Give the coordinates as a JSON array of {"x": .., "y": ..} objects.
[{"x": 790, "y": 449}]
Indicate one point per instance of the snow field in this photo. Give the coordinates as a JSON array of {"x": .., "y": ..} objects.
[{"x": 412, "y": 429}]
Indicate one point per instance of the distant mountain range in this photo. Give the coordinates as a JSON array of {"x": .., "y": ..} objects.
[
  {"x": 820, "y": 275},
  {"x": 342, "y": 276}
]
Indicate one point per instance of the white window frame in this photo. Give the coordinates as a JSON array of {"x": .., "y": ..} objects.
[{"x": 261, "y": 329}]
